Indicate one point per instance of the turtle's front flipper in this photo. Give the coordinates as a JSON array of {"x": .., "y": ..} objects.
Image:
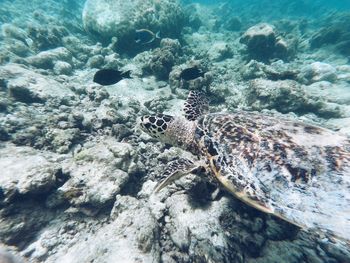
[
  {"x": 175, "y": 170},
  {"x": 196, "y": 105}
]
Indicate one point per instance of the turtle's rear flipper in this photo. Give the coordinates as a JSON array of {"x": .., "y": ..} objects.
[
  {"x": 175, "y": 170},
  {"x": 196, "y": 105}
]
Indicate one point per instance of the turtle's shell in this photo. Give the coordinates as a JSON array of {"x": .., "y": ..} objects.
[{"x": 296, "y": 171}]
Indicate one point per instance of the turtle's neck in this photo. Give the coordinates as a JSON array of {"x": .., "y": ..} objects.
[{"x": 181, "y": 133}]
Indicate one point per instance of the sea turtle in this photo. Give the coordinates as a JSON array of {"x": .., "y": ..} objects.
[{"x": 295, "y": 171}]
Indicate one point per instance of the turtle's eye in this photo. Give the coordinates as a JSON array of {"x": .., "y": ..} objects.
[{"x": 156, "y": 125}]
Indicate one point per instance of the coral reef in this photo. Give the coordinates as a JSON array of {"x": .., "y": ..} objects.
[
  {"x": 77, "y": 175},
  {"x": 318, "y": 71},
  {"x": 220, "y": 51},
  {"x": 20, "y": 85},
  {"x": 163, "y": 58},
  {"x": 106, "y": 19},
  {"x": 275, "y": 71},
  {"x": 48, "y": 59},
  {"x": 201, "y": 83},
  {"x": 287, "y": 96},
  {"x": 263, "y": 43}
]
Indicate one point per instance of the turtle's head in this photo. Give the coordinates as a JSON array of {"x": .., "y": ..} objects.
[
  {"x": 168, "y": 129},
  {"x": 156, "y": 125}
]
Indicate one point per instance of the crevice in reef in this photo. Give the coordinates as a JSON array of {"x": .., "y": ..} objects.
[
  {"x": 28, "y": 214},
  {"x": 133, "y": 185},
  {"x": 200, "y": 194}
]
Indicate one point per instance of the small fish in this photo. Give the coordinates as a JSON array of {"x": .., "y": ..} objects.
[
  {"x": 191, "y": 73},
  {"x": 145, "y": 36},
  {"x": 107, "y": 77}
]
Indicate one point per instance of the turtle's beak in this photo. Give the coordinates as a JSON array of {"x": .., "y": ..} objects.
[
  {"x": 144, "y": 124},
  {"x": 138, "y": 125}
]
